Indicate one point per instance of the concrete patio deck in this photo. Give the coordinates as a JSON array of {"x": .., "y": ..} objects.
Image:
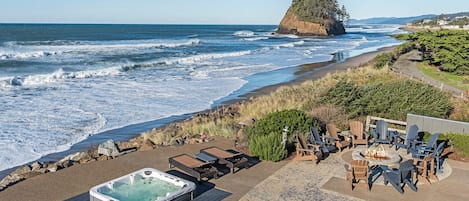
[
  {"x": 74, "y": 183},
  {"x": 300, "y": 180}
]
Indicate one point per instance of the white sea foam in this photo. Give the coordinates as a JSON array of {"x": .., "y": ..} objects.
[
  {"x": 255, "y": 38},
  {"x": 244, "y": 33},
  {"x": 38, "y": 51},
  {"x": 292, "y": 44},
  {"x": 201, "y": 57},
  {"x": 27, "y": 55},
  {"x": 57, "y": 76}
]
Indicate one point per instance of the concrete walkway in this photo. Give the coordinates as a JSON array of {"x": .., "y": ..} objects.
[
  {"x": 300, "y": 180},
  {"x": 74, "y": 183},
  {"x": 407, "y": 65}
]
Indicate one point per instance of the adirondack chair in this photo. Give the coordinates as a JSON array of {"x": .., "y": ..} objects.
[
  {"x": 437, "y": 156},
  {"x": 381, "y": 134},
  {"x": 423, "y": 149},
  {"x": 401, "y": 177},
  {"x": 411, "y": 136},
  {"x": 425, "y": 168},
  {"x": 325, "y": 143},
  {"x": 307, "y": 152},
  {"x": 358, "y": 172},
  {"x": 340, "y": 142},
  {"x": 358, "y": 134}
]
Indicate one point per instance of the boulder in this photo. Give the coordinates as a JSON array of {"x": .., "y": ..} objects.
[
  {"x": 103, "y": 158},
  {"x": 76, "y": 157},
  {"x": 108, "y": 148},
  {"x": 53, "y": 167},
  {"x": 176, "y": 141},
  {"x": 10, "y": 180},
  {"x": 21, "y": 170},
  {"x": 36, "y": 166}
]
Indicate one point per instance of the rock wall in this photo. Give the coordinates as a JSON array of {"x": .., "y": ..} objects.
[{"x": 291, "y": 24}]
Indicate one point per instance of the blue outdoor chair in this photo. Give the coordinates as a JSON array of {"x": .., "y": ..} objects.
[
  {"x": 381, "y": 134},
  {"x": 326, "y": 146},
  {"x": 419, "y": 151},
  {"x": 411, "y": 136},
  {"x": 402, "y": 176}
]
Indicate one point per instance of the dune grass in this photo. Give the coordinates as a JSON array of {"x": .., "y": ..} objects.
[
  {"x": 306, "y": 97},
  {"x": 458, "y": 81}
]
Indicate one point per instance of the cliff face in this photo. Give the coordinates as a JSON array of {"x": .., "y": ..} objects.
[{"x": 292, "y": 24}]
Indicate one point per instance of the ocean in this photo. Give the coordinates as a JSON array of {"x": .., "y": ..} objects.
[{"x": 62, "y": 84}]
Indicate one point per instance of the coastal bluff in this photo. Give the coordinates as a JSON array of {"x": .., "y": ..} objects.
[{"x": 293, "y": 23}]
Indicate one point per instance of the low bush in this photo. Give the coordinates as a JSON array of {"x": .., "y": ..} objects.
[
  {"x": 392, "y": 100},
  {"x": 268, "y": 147},
  {"x": 296, "y": 120},
  {"x": 458, "y": 141},
  {"x": 266, "y": 135},
  {"x": 384, "y": 59}
]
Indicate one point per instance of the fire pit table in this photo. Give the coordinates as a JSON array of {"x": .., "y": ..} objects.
[{"x": 378, "y": 155}]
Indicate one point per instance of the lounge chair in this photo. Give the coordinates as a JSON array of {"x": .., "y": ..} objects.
[
  {"x": 381, "y": 134},
  {"x": 401, "y": 177},
  {"x": 339, "y": 141},
  {"x": 224, "y": 157},
  {"x": 325, "y": 144},
  {"x": 358, "y": 172},
  {"x": 358, "y": 135},
  {"x": 307, "y": 152},
  {"x": 411, "y": 136},
  {"x": 193, "y": 166}
]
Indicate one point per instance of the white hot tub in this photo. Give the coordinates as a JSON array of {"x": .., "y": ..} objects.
[{"x": 145, "y": 184}]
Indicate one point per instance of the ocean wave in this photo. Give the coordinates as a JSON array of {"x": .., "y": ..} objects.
[
  {"x": 57, "y": 76},
  {"x": 47, "y": 50},
  {"x": 292, "y": 44},
  {"x": 197, "y": 58},
  {"x": 255, "y": 38},
  {"x": 184, "y": 60},
  {"x": 27, "y": 55},
  {"x": 244, "y": 33},
  {"x": 288, "y": 36}
]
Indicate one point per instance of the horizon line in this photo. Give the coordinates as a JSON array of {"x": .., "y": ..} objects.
[{"x": 99, "y": 23}]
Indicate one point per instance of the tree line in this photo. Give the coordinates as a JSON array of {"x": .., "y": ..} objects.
[{"x": 320, "y": 10}]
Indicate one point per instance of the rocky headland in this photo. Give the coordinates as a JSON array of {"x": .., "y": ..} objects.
[{"x": 305, "y": 18}]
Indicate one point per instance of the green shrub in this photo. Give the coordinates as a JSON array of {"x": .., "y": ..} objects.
[
  {"x": 392, "y": 100},
  {"x": 458, "y": 141},
  {"x": 268, "y": 147},
  {"x": 383, "y": 60},
  {"x": 296, "y": 120},
  {"x": 266, "y": 135}
]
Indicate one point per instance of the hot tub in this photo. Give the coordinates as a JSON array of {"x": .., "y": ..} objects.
[{"x": 145, "y": 184}]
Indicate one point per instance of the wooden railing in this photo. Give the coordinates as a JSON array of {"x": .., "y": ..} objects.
[{"x": 371, "y": 123}]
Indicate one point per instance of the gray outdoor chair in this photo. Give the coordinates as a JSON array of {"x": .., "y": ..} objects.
[
  {"x": 381, "y": 134},
  {"x": 437, "y": 155},
  {"x": 400, "y": 177},
  {"x": 419, "y": 151},
  {"x": 412, "y": 135},
  {"x": 325, "y": 145}
]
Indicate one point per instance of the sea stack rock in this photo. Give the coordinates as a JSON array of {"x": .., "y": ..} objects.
[{"x": 313, "y": 18}]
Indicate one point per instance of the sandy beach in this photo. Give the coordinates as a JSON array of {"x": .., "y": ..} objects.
[{"x": 74, "y": 182}]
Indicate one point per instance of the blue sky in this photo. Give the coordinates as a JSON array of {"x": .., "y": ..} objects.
[{"x": 202, "y": 11}]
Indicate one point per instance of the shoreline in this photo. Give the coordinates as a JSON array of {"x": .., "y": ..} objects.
[{"x": 300, "y": 74}]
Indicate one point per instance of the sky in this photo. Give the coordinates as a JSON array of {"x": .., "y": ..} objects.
[{"x": 201, "y": 11}]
